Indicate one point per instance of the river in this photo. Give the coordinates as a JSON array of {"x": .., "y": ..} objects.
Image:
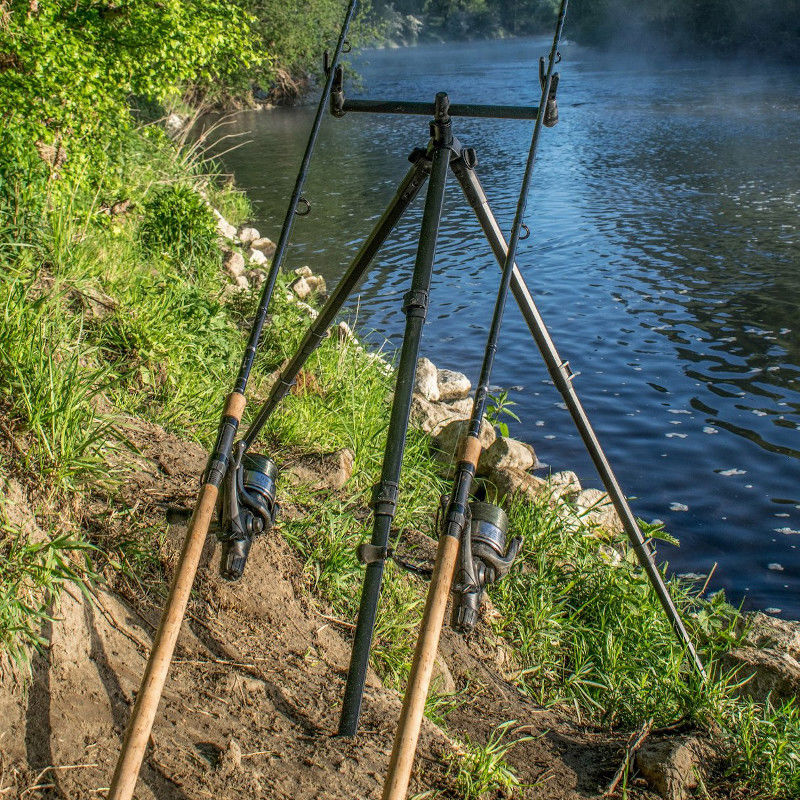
[{"x": 663, "y": 254}]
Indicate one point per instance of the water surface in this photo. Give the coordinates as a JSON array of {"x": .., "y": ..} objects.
[{"x": 664, "y": 257}]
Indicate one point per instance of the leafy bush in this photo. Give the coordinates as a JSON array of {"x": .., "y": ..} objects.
[
  {"x": 68, "y": 69},
  {"x": 177, "y": 221}
]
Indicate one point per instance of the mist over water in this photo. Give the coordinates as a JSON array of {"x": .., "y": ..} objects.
[{"x": 664, "y": 257}]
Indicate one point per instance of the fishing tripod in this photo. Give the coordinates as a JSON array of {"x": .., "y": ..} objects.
[{"x": 443, "y": 154}]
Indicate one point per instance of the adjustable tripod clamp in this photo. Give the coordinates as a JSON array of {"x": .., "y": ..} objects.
[
  {"x": 441, "y": 126},
  {"x": 337, "y": 92},
  {"x": 551, "y": 106}
]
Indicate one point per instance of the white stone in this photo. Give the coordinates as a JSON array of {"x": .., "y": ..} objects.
[
  {"x": 453, "y": 385},
  {"x": 303, "y": 272},
  {"x": 505, "y": 452},
  {"x": 344, "y": 332},
  {"x": 265, "y": 245},
  {"x": 301, "y": 288},
  {"x": 317, "y": 284},
  {"x": 248, "y": 235},
  {"x": 256, "y": 277},
  {"x": 564, "y": 484},
  {"x": 596, "y": 509},
  {"x": 174, "y": 125},
  {"x": 224, "y": 228},
  {"x": 256, "y": 257},
  {"x": 242, "y": 282},
  {"x": 426, "y": 381},
  {"x": 233, "y": 262}
]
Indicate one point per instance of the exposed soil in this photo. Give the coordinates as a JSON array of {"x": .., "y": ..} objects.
[{"x": 252, "y": 701}]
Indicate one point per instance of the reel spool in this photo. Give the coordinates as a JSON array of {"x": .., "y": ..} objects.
[
  {"x": 248, "y": 509},
  {"x": 483, "y": 559}
]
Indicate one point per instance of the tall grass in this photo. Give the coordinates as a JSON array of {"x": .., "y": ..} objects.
[{"x": 32, "y": 574}]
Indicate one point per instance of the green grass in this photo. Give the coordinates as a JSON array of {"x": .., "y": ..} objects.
[
  {"x": 481, "y": 771},
  {"x": 762, "y": 743},
  {"x": 32, "y": 574}
]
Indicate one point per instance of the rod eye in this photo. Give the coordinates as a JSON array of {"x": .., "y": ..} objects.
[{"x": 307, "y": 208}]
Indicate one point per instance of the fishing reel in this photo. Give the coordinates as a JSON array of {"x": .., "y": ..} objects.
[
  {"x": 483, "y": 559},
  {"x": 248, "y": 508}
]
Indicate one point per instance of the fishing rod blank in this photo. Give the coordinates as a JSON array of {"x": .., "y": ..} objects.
[
  {"x": 562, "y": 377},
  {"x": 455, "y": 545},
  {"x": 123, "y": 782}
]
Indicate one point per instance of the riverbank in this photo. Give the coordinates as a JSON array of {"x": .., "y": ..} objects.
[{"x": 121, "y": 327}]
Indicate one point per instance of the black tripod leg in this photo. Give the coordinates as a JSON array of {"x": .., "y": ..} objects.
[
  {"x": 562, "y": 378},
  {"x": 406, "y": 192},
  {"x": 385, "y": 496}
]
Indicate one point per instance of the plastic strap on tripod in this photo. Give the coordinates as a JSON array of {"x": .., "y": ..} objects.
[
  {"x": 384, "y": 498},
  {"x": 415, "y": 303}
]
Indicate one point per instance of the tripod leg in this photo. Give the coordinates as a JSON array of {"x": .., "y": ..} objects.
[
  {"x": 385, "y": 497},
  {"x": 406, "y": 192},
  {"x": 562, "y": 378}
]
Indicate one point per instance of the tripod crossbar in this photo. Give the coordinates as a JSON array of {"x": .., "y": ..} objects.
[{"x": 426, "y": 109}]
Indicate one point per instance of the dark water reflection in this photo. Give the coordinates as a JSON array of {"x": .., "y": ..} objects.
[{"x": 664, "y": 257}]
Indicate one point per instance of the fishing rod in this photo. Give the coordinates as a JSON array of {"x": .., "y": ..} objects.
[
  {"x": 249, "y": 493},
  {"x": 472, "y": 541}
]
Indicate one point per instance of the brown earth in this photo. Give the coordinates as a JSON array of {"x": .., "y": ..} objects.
[{"x": 252, "y": 701}]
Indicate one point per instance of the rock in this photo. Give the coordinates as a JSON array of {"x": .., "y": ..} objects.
[
  {"x": 248, "y": 235},
  {"x": 508, "y": 482},
  {"x": 761, "y": 630},
  {"x": 303, "y": 272},
  {"x": 224, "y": 228},
  {"x": 446, "y": 442},
  {"x": 174, "y": 125},
  {"x": 307, "y": 309},
  {"x": 596, "y": 509},
  {"x": 242, "y": 282},
  {"x": 300, "y": 287},
  {"x": 770, "y": 672},
  {"x": 504, "y": 453},
  {"x": 344, "y": 332},
  {"x": 564, "y": 484},
  {"x": 265, "y": 245},
  {"x": 432, "y": 417},
  {"x": 671, "y": 767},
  {"x": 426, "y": 381},
  {"x": 452, "y": 385},
  {"x": 233, "y": 262},
  {"x": 256, "y": 257},
  {"x": 442, "y": 681},
  {"x": 96, "y": 305},
  {"x": 317, "y": 284},
  {"x": 323, "y": 470}
]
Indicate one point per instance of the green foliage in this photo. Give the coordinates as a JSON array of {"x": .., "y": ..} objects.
[
  {"x": 32, "y": 573},
  {"x": 69, "y": 68},
  {"x": 46, "y": 386},
  {"x": 763, "y": 747},
  {"x": 483, "y": 769},
  {"x": 500, "y": 406},
  {"x": 178, "y": 223},
  {"x": 595, "y": 636}
]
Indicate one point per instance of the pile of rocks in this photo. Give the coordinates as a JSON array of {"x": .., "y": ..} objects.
[
  {"x": 441, "y": 406},
  {"x": 244, "y": 252}
]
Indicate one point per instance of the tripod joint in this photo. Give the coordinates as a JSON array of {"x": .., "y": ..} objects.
[
  {"x": 415, "y": 303},
  {"x": 384, "y": 498}
]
